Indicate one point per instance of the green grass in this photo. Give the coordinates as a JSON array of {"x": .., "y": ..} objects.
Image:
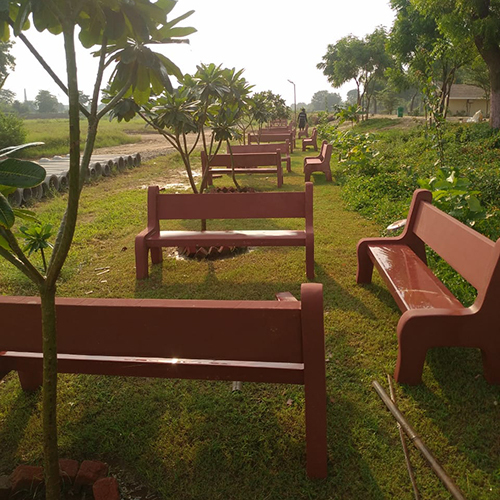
[
  {"x": 54, "y": 133},
  {"x": 197, "y": 440}
]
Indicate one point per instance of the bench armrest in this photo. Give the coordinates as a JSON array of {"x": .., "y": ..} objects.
[{"x": 285, "y": 297}]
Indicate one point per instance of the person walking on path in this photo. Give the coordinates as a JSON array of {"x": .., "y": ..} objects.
[{"x": 302, "y": 118}]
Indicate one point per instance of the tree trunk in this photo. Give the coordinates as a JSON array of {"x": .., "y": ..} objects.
[
  {"x": 49, "y": 388},
  {"x": 491, "y": 55},
  {"x": 495, "y": 107}
]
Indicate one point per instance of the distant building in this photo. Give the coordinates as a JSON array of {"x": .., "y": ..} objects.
[{"x": 465, "y": 100}]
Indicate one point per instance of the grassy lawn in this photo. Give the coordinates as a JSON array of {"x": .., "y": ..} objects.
[
  {"x": 197, "y": 440},
  {"x": 54, "y": 133}
]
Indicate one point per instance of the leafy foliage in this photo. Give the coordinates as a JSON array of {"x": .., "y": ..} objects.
[
  {"x": 211, "y": 104},
  {"x": 12, "y": 130},
  {"x": 36, "y": 238}
]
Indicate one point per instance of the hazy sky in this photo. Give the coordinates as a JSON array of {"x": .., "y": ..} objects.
[{"x": 273, "y": 40}]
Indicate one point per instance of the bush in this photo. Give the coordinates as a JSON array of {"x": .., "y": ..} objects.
[{"x": 12, "y": 131}]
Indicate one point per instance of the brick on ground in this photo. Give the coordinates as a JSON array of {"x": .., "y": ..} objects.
[
  {"x": 106, "y": 489},
  {"x": 26, "y": 478},
  {"x": 90, "y": 471}
]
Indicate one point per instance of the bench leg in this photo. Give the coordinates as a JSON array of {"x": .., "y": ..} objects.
[
  {"x": 310, "y": 260},
  {"x": 411, "y": 359},
  {"x": 328, "y": 174},
  {"x": 365, "y": 265},
  {"x": 316, "y": 449},
  {"x": 31, "y": 380},
  {"x": 307, "y": 174},
  {"x": 141, "y": 259},
  {"x": 491, "y": 365},
  {"x": 288, "y": 165},
  {"x": 156, "y": 255}
]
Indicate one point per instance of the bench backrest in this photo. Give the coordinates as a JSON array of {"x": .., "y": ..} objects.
[
  {"x": 229, "y": 205},
  {"x": 275, "y": 130},
  {"x": 274, "y": 137},
  {"x": 266, "y": 331},
  {"x": 242, "y": 160},
  {"x": 467, "y": 251},
  {"x": 284, "y": 148},
  {"x": 326, "y": 152},
  {"x": 283, "y": 122}
]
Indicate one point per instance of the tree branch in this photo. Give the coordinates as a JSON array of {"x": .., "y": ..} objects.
[
  {"x": 46, "y": 67},
  {"x": 98, "y": 82},
  {"x": 19, "y": 260}
]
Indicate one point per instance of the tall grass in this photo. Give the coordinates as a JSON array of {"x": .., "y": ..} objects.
[{"x": 54, "y": 133}]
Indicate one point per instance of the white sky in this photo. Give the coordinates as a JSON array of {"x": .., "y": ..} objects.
[{"x": 273, "y": 40}]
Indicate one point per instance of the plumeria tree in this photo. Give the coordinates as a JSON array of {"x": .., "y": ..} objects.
[
  {"x": 209, "y": 105},
  {"x": 120, "y": 32}
]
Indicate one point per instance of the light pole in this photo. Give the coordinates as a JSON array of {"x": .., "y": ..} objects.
[{"x": 294, "y": 104}]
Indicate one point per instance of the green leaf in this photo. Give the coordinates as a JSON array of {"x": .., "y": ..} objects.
[
  {"x": 11, "y": 149},
  {"x": 4, "y": 244},
  {"x": 21, "y": 173},
  {"x": 166, "y": 5},
  {"x": 6, "y": 190},
  {"x": 115, "y": 24},
  {"x": 180, "y": 32},
  {"x": 171, "y": 68},
  {"x": 25, "y": 214},
  {"x": 6, "y": 214},
  {"x": 172, "y": 23},
  {"x": 474, "y": 204}
]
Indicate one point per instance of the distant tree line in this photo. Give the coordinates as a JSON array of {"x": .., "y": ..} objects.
[{"x": 431, "y": 45}]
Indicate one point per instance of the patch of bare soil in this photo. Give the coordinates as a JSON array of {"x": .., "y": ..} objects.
[{"x": 151, "y": 145}]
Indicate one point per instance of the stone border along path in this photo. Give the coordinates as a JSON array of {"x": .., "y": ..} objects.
[
  {"x": 57, "y": 174},
  {"x": 102, "y": 161}
]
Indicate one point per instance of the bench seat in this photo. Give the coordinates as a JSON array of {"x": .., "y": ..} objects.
[
  {"x": 431, "y": 315},
  {"x": 411, "y": 282}
]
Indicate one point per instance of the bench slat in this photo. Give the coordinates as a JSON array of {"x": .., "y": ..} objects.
[
  {"x": 200, "y": 369},
  {"x": 467, "y": 251},
  {"x": 263, "y": 330},
  {"x": 244, "y": 238},
  {"x": 410, "y": 281},
  {"x": 231, "y": 206}
]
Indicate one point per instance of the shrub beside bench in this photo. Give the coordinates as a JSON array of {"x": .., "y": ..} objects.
[
  {"x": 254, "y": 341},
  {"x": 224, "y": 206},
  {"x": 432, "y": 316}
]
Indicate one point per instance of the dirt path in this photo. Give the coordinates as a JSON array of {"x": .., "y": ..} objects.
[{"x": 151, "y": 145}]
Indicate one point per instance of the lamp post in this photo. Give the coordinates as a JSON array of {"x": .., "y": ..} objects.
[{"x": 294, "y": 103}]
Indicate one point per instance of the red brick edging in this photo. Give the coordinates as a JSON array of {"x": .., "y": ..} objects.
[{"x": 88, "y": 476}]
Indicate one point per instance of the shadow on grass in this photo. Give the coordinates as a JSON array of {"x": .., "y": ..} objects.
[
  {"x": 462, "y": 404},
  {"x": 14, "y": 424},
  {"x": 196, "y": 440}
]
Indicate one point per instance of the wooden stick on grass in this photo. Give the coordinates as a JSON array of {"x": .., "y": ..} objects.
[
  {"x": 436, "y": 467},
  {"x": 403, "y": 444}
]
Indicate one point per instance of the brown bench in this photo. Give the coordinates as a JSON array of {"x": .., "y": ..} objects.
[
  {"x": 305, "y": 132},
  {"x": 320, "y": 163},
  {"x": 272, "y": 137},
  {"x": 283, "y": 147},
  {"x": 254, "y": 341},
  {"x": 244, "y": 163},
  {"x": 311, "y": 141},
  {"x": 224, "y": 206},
  {"x": 432, "y": 316}
]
